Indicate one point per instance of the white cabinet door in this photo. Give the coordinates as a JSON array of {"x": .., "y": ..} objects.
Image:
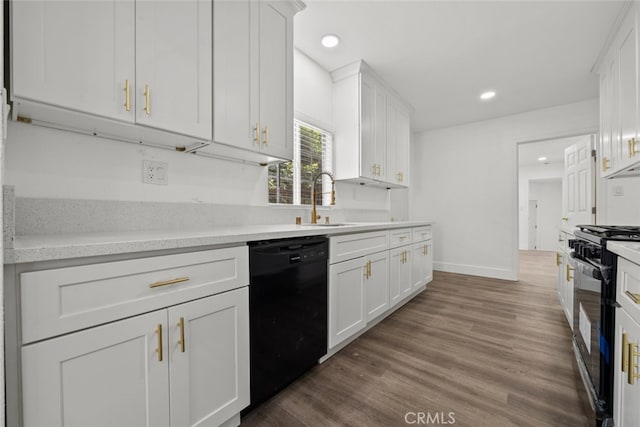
[
  {"x": 609, "y": 142},
  {"x": 422, "y": 266},
  {"x": 347, "y": 313},
  {"x": 377, "y": 284},
  {"x": 105, "y": 376},
  {"x": 231, "y": 75},
  {"x": 605, "y": 120},
  {"x": 368, "y": 165},
  {"x": 76, "y": 55},
  {"x": 275, "y": 60},
  {"x": 209, "y": 352},
  {"x": 174, "y": 66},
  {"x": 627, "y": 90},
  {"x": 561, "y": 280},
  {"x": 626, "y": 394},
  {"x": 568, "y": 289},
  {"x": 380, "y": 136},
  {"x": 400, "y": 270},
  {"x": 397, "y": 143}
]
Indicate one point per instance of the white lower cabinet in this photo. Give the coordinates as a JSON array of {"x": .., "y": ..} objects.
[
  {"x": 422, "y": 265},
  {"x": 346, "y": 300},
  {"x": 399, "y": 274},
  {"x": 182, "y": 366},
  {"x": 626, "y": 392},
  {"x": 106, "y": 376},
  {"x": 377, "y": 284}
]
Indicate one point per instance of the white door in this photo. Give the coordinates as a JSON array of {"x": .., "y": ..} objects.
[
  {"x": 275, "y": 79},
  {"x": 209, "y": 352},
  {"x": 626, "y": 395},
  {"x": 231, "y": 75},
  {"x": 533, "y": 224},
  {"x": 75, "y": 54},
  {"x": 377, "y": 284},
  {"x": 578, "y": 184},
  {"x": 347, "y": 313},
  {"x": 174, "y": 66},
  {"x": 112, "y": 375}
]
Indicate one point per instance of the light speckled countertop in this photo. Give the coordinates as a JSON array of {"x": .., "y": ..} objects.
[
  {"x": 628, "y": 250},
  {"x": 34, "y": 248}
]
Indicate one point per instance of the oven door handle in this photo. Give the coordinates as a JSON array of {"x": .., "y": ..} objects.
[{"x": 594, "y": 269}]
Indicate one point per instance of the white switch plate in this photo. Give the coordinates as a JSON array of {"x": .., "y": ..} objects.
[
  {"x": 155, "y": 172},
  {"x": 618, "y": 190}
]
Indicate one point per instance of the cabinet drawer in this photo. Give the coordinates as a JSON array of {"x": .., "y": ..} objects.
[
  {"x": 62, "y": 300},
  {"x": 628, "y": 287},
  {"x": 343, "y": 248},
  {"x": 421, "y": 233},
  {"x": 399, "y": 237}
]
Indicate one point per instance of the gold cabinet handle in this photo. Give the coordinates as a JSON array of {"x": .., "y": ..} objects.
[
  {"x": 366, "y": 270},
  {"x": 625, "y": 352},
  {"x": 633, "y": 354},
  {"x": 127, "y": 95},
  {"x": 159, "y": 348},
  {"x": 565, "y": 218},
  {"x": 369, "y": 268},
  {"x": 147, "y": 100},
  {"x": 569, "y": 270},
  {"x": 634, "y": 297},
  {"x": 558, "y": 257},
  {"x": 181, "y": 341},
  {"x": 265, "y": 135},
  {"x": 256, "y": 134},
  {"x": 168, "y": 282},
  {"x": 606, "y": 163},
  {"x": 632, "y": 147}
]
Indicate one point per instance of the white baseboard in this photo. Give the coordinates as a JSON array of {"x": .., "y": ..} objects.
[{"x": 476, "y": 270}]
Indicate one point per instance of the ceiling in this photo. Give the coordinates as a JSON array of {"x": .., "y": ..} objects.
[
  {"x": 552, "y": 149},
  {"x": 441, "y": 55}
]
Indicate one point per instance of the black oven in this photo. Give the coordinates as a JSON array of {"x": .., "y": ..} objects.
[{"x": 594, "y": 311}]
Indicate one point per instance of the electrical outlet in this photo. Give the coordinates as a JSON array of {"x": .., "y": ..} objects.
[{"x": 155, "y": 172}]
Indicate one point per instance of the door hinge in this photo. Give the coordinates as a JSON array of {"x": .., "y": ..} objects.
[
  {"x": 593, "y": 210},
  {"x": 593, "y": 153},
  {"x": 23, "y": 119}
]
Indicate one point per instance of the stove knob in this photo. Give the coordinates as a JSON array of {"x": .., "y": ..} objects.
[{"x": 572, "y": 243}]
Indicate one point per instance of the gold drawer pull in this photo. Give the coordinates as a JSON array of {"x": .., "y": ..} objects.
[
  {"x": 634, "y": 297},
  {"x": 159, "y": 348},
  {"x": 147, "y": 100},
  {"x": 182, "y": 341},
  {"x": 168, "y": 282},
  {"x": 256, "y": 134},
  {"x": 625, "y": 352},
  {"x": 569, "y": 276},
  {"x": 127, "y": 95},
  {"x": 265, "y": 135}
]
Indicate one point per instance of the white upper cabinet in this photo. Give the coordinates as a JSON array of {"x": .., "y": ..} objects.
[
  {"x": 253, "y": 80},
  {"x": 619, "y": 122},
  {"x": 101, "y": 66},
  {"x": 69, "y": 54},
  {"x": 173, "y": 66},
  {"x": 371, "y": 129}
]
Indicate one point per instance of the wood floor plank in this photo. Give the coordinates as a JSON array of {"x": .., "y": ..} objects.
[{"x": 492, "y": 352}]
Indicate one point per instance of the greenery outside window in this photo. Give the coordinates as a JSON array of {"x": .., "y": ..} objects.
[{"x": 291, "y": 182}]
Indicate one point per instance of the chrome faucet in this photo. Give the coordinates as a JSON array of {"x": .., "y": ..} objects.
[{"x": 314, "y": 212}]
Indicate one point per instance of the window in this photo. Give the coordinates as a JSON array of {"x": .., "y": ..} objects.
[{"x": 291, "y": 182}]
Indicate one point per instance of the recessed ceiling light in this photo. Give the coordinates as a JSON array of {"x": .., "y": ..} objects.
[
  {"x": 542, "y": 159},
  {"x": 330, "y": 40},
  {"x": 487, "y": 95}
]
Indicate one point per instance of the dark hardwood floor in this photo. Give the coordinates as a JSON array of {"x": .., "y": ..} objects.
[{"x": 470, "y": 351}]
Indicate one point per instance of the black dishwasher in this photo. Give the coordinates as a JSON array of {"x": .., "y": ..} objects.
[{"x": 287, "y": 311}]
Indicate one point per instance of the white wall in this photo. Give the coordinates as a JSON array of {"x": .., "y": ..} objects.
[
  {"x": 619, "y": 209},
  {"x": 526, "y": 174},
  {"x": 48, "y": 163},
  {"x": 548, "y": 195},
  {"x": 465, "y": 178}
]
